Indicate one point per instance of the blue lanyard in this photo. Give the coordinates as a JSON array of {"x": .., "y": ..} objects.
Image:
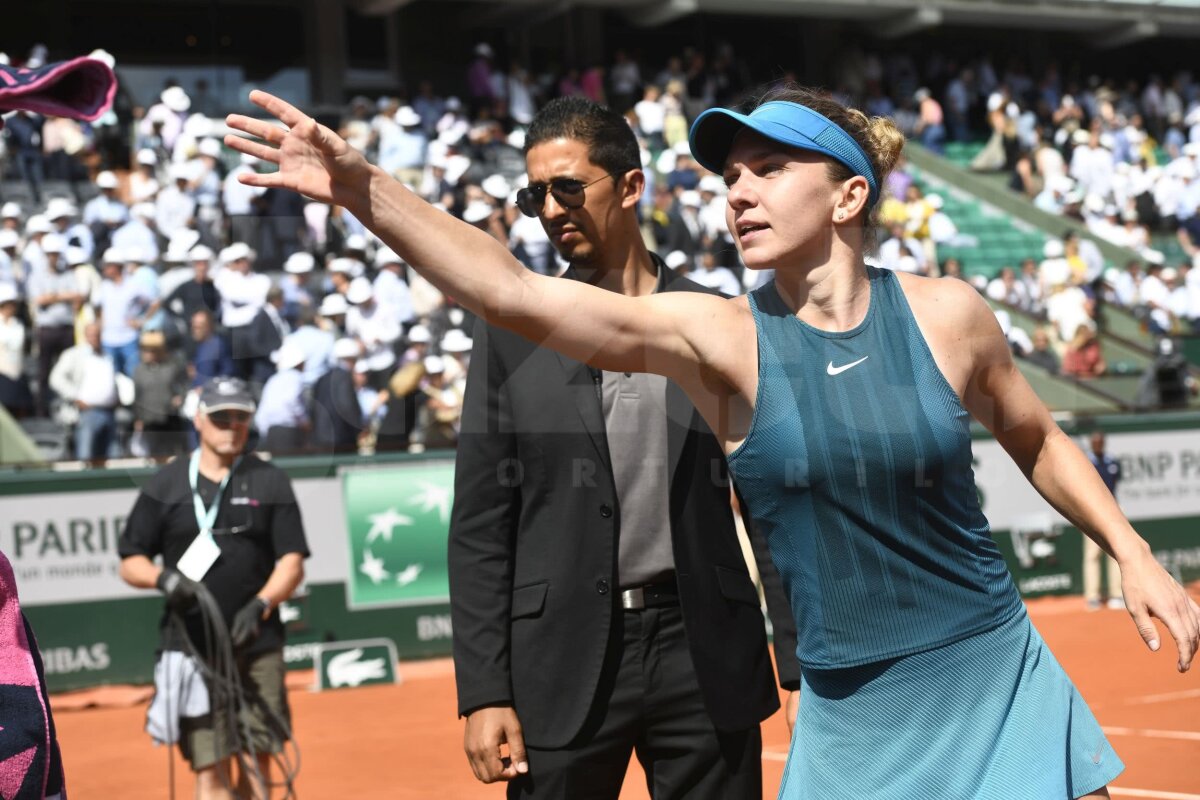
[{"x": 207, "y": 517}]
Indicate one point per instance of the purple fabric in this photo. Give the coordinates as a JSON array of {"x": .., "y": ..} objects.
[
  {"x": 82, "y": 88},
  {"x": 29, "y": 765}
]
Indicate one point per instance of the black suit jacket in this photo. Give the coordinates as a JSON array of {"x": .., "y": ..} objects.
[{"x": 533, "y": 548}]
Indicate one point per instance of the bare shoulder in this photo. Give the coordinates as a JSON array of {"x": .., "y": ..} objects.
[
  {"x": 958, "y": 325},
  {"x": 945, "y": 302}
]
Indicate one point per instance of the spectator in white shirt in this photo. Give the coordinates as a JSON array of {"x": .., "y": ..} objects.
[
  {"x": 11, "y": 270},
  {"x": 1156, "y": 298},
  {"x": 390, "y": 289},
  {"x": 898, "y": 246},
  {"x": 1179, "y": 301},
  {"x": 456, "y": 357},
  {"x": 14, "y": 388},
  {"x": 238, "y": 199},
  {"x": 714, "y": 276},
  {"x": 61, "y": 213},
  {"x": 137, "y": 235},
  {"x": 282, "y": 417},
  {"x": 1006, "y": 288},
  {"x": 651, "y": 116},
  {"x": 105, "y": 206},
  {"x": 375, "y": 327},
  {"x": 1092, "y": 164},
  {"x": 175, "y": 207},
  {"x": 85, "y": 378},
  {"x": 143, "y": 183},
  {"x": 120, "y": 304},
  {"x": 243, "y": 291}
]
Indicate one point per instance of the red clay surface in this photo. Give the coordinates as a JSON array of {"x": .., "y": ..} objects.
[{"x": 405, "y": 741}]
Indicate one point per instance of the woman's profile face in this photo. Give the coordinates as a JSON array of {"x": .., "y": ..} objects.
[{"x": 780, "y": 203}]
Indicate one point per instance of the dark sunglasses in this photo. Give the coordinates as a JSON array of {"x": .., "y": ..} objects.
[
  {"x": 567, "y": 192},
  {"x": 229, "y": 419}
]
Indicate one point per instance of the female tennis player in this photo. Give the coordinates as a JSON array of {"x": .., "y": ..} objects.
[{"x": 842, "y": 395}]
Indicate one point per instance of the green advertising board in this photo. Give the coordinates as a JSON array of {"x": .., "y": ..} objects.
[
  {"x": 363, "y": 662},
  {"x": 396, "y": 526}
]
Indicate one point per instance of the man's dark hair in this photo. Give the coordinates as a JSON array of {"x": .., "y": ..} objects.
[{"x": 609, "y": 139}]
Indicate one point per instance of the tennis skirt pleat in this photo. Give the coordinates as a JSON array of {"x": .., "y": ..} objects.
[{"x": 990, "y": 717}]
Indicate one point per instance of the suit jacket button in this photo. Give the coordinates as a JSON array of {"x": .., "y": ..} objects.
[
  {"x": 605, "y": 510},
  {"x": 601, "y": 586}
]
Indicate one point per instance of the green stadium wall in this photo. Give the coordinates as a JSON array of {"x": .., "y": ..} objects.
[{"x": 377, "y": 531}]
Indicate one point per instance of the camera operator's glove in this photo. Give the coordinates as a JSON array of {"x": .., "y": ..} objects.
[
  {"x": 180, "y": 590},
  {"x": 247, "y": 621}
]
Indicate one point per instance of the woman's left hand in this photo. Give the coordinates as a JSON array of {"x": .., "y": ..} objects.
[
  {"x": 1151, "y": 592},
  {"x": 313, "y": 160}
]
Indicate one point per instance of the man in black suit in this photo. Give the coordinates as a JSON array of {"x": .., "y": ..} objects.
[{"x": 601, "y": 603}]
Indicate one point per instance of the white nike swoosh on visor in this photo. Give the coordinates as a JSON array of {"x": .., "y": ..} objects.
[{"x": 832, "y": 370}]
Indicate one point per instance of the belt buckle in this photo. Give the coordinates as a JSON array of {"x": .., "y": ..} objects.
[{"x": 633, "y": 599}]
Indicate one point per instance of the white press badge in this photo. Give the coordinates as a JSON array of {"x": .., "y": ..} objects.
[{"x": 203, "y": 551}]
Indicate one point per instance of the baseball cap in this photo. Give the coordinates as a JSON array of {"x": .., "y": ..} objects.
[
  {"x": 37, "y": 224},
  {"x": 147, "y": 157},
  {"x": 221, "y": 394},
  {"x": 345, "y": 348},
  {"x": 333, "y": 305},
  {"x": 176, "y": 99},
  {"x": 419, "y": 334},
  {"x": 209, "y": 147},
  {"x": 675, "y": 259},
  {"x": 434, "y": 365},
  {"x": 76, "y": 256},
  {"x": 496, "y": 186},
  {"x": 53, "y": 243},
  {"x": 406, "y": 117},
  {"x": 106, "y": 180},
  {"x": 477, "y": 211},
  {"x": 59, "y": 207},
  {"x": 780, "y": 121},
  {"x": 236, "y": 252},
  {"x": 360, "y": 291},
  {"x": 290, "y": 355},
  {"x": 455, "y": 341},
  {"x": 386, "y": 255},
  {"x": 299, "y": 263}
]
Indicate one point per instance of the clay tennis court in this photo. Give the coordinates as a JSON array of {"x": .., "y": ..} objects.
[{"x": 405, "y": 742}]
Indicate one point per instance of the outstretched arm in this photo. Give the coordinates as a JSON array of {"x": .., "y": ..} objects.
[
  {"x": 1000, "y": 398},
  {"x": 604, "y": 329}
]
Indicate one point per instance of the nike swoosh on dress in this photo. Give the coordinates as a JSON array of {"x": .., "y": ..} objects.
[{"x": 832, "y": 370}]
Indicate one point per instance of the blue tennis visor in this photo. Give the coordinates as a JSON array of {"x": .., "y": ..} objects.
[{"x": 788, "y": 123}]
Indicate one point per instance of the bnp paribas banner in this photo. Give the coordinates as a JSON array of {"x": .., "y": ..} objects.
[
  {"x": 1159, "y": 491},
  {"x": 397, "y": 522},
  {"x": 63, "y": 545}
]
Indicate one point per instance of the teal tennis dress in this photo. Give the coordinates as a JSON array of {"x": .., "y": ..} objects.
[{"x": 922, "y": 675}]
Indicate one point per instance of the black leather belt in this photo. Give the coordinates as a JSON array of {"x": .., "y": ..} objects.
[{"x": 653, "y": 595}]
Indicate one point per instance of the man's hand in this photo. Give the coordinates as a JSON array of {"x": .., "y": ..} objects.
[
  {"x": 487, "y": 729},
  {"x": 180, "y": 590},
  {"x": 247, "y": 620},
  {"x": 790, "y": 709}
]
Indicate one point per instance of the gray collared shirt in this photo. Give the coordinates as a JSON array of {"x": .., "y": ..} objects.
[{"x": 635, "y": 421}]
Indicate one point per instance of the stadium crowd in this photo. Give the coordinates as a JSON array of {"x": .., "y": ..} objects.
[{"x": 134, "y": 265}]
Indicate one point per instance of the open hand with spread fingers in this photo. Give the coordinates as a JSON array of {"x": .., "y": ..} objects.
[
  {"x": 313, "y": 160},
  {"x": 1150, "y": 591}
]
